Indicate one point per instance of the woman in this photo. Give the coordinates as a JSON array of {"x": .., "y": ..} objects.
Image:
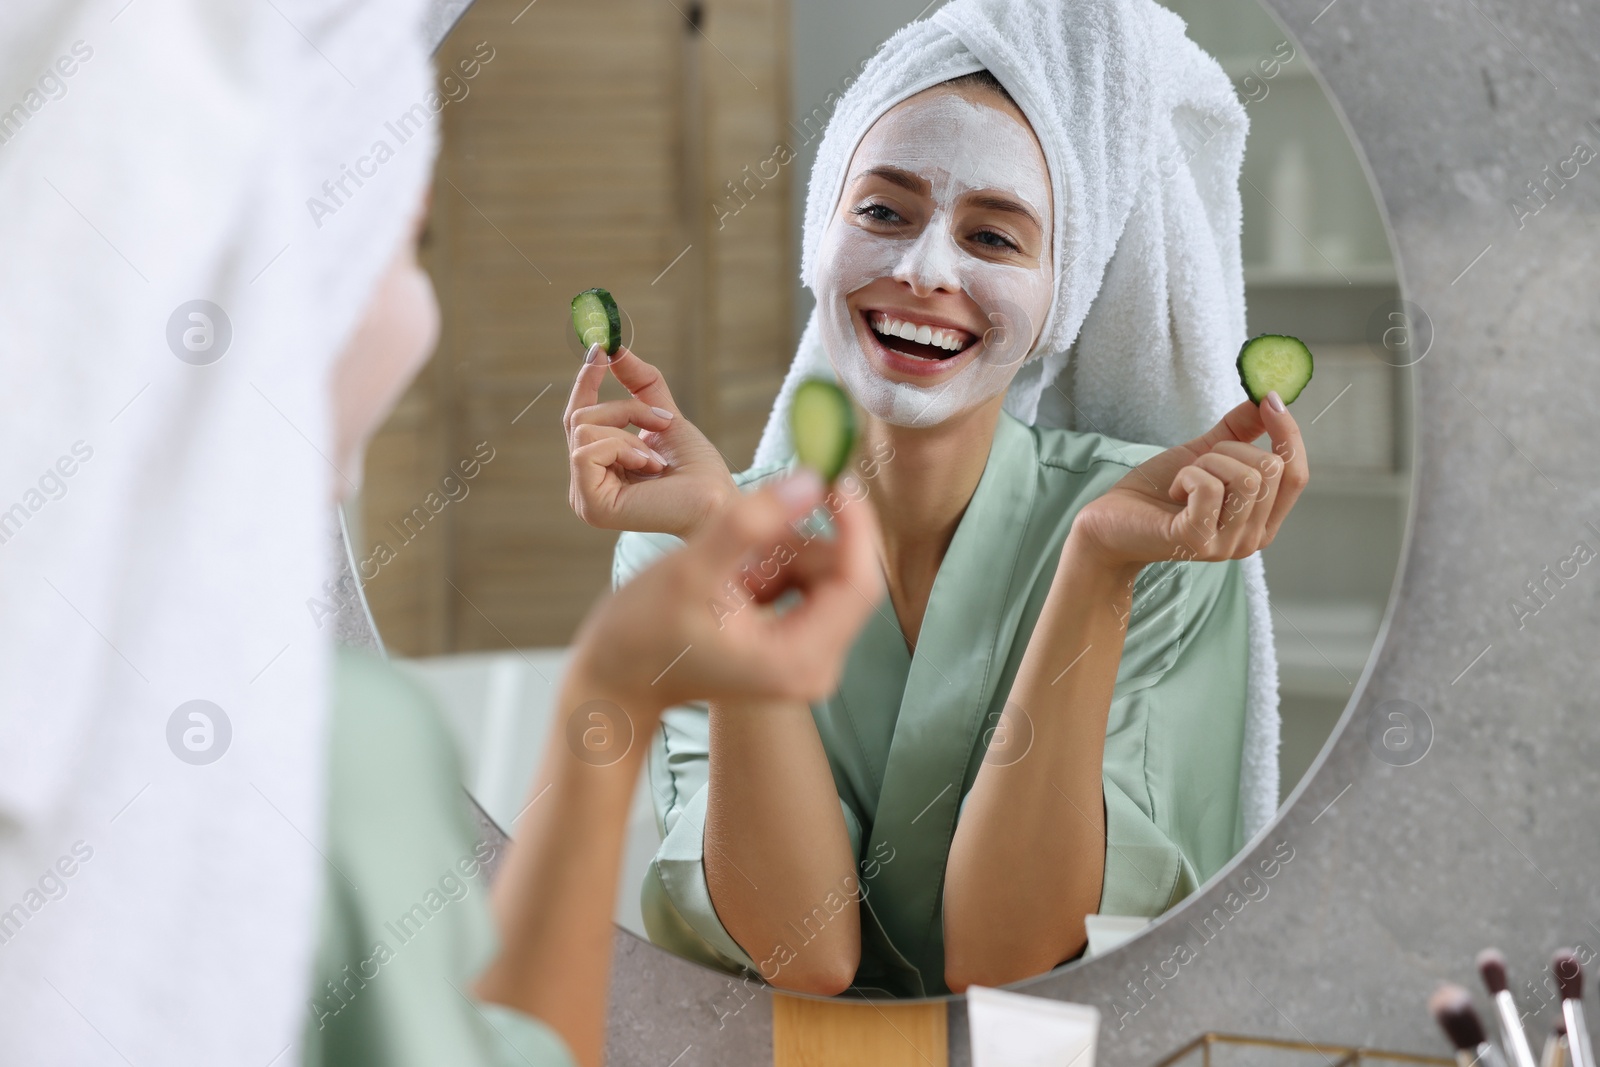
[
  {"x": 408, "y": 945},
  {"x": 1060, "y": 715},
  {"x": 174, "y": 310},
  {"x": 187, "y": 822}
]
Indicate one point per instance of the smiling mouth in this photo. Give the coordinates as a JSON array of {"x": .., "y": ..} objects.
[{"x": 918, "y": 340}]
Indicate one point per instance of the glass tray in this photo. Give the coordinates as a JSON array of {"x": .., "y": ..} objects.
[{"x": 1239, "y": 1050}]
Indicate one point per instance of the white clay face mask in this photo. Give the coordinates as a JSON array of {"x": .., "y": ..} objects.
[{"x": 951, "y": 312}]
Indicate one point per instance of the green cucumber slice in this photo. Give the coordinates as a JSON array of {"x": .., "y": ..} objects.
[
  {"x": 823, "y": 426},
  {"x": 1271, "y": 361},
  {"x": 597, "y": 320}
]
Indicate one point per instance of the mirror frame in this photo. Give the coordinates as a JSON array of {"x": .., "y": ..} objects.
[{"x": 1345, "y": 940}]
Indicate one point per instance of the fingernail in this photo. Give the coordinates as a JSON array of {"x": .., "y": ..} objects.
[
  {"x": 659, "y": 458},
  {"x": 662, "y": 412},
  {"x": 594, "y": 352},
  {"x": 1275, "y": 402},
  {"x": 800, "y": 491}
]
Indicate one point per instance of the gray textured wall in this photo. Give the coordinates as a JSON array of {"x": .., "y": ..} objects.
[{"x": 1399, "y": 873}]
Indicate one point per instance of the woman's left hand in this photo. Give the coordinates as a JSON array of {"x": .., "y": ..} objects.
[{"x": 1217, "y": 497}]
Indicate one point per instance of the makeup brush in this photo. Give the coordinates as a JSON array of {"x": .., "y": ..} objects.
[
  {"x": 1452, "y": 1007},
  {"x": 1492, "y": 965},
  {"x": 1569, "y": 979},
  {"x": 1555, "y": 1046}
]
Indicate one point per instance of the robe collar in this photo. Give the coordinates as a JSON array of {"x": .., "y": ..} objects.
[{"x": 966, "y": 635}]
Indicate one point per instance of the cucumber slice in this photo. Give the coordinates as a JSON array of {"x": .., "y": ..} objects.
[
  {"x": 1271, "y": 361},
  {"x": 823, "y": 426},
  {"x": 597, "y": 320}
]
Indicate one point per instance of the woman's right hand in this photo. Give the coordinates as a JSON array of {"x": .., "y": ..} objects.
[
  {"x": 656, "y": 642},
  {"x": 668, "y": 478},
  {"x": 690, "y": 627}
]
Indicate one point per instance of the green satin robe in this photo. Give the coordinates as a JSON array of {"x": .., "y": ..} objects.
[
  {"x": 906, "y": 735},
  {"x": 406, "y": 926}
]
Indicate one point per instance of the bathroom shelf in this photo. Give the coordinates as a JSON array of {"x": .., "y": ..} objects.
[
  {"x": 1331, "y": 481},
  {"x": 1264, "y": 274},
  {"x": 1323, "y": 645},
  {"x": 1239, "y": 67}
]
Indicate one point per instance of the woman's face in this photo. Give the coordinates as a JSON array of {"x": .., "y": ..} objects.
[
  {"x": 390, "y": 344},
  {"x": 943, "y": 234}
]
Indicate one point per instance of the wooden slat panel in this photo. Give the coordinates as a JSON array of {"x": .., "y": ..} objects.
[
  {"x": 748, "y": 275},
  {"x": 564, "y": 168}
]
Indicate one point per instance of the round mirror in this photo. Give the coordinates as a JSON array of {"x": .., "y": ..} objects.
[{"x": 677, "y": 179}]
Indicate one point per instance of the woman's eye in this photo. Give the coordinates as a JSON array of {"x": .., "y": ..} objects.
[
  {"x": 878, "y": 213},
  {"x": 994, "y": 240}
]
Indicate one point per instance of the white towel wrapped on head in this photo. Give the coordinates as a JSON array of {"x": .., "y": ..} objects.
[
  {"x": 1144, "y": 138},
  {"x": 165, "y": 499}
]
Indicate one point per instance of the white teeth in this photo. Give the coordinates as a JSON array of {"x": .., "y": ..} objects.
[{"x": 887, "y": 326}]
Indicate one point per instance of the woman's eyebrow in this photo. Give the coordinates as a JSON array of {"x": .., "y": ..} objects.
[
  {"x": 895, "y": 176},
  {"x": 997, "y": 202}
]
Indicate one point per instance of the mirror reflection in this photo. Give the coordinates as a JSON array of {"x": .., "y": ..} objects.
[{"x": 1123, "y": 606}]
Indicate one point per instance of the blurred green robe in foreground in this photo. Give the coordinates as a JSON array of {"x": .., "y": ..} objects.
[{"x": 406, "y": 927}]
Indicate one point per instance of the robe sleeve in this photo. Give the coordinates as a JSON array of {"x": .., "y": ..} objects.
[
  {"x": 406, "y": 927},
  {"x": 1174, "y": 735},
  {"x": 674, "y": 898}
]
